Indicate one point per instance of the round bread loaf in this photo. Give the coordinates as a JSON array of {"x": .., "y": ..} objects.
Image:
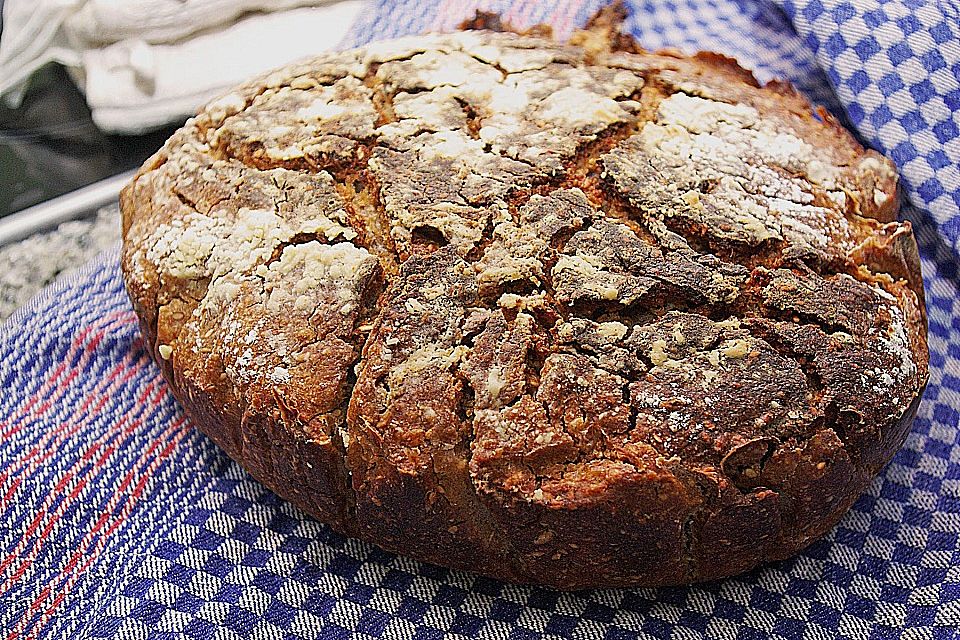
[{"x": 571, "y": 314}]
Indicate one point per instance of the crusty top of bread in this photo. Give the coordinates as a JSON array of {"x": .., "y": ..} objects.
[{"x": 493, "y": 281}]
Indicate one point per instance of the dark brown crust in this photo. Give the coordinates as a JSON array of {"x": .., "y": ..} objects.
[
  {"x": 485, "y": 21},
  {"x": 585, "y": 354}
]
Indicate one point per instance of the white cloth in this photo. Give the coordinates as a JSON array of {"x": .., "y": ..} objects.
[
  {"x": 143, "y": 63},
  {"x": 162, "y": 21}
]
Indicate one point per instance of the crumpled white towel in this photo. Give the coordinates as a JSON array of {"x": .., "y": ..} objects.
[
  {"x": 144, "y": 63},
  {"x": 162, "y": 21}
]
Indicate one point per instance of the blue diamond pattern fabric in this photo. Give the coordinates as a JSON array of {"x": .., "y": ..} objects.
[{"x": 120, "y": 520}]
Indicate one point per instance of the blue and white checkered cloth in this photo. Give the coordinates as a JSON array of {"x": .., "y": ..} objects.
[{"x": 118, "y": 519}]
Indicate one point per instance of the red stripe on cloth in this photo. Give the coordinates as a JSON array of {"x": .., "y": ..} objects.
[
  {"x": 99, "y": 328},
  {"x": 564, "y": 21},
  {"x": 178, "y": 433},
  {"x": 14, "y": 423},
  {"x": 106, "y": 442},
  {"x": 48, "y": 445},
  {"x": 106, "y": 439},
  {"x": 513, "y": 14},
  {"x": 440, "y": 18},
  {"x": 13, "y": 489},
  {"x": 526, "y": 19},
  {"x": 70, "y": 570},
  {"x": 62, "y": 386}
]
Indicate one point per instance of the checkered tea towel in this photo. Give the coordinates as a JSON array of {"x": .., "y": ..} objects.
[{"x": 121, "y": 520}]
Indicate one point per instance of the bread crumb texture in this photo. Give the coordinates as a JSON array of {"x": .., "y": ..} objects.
[{"x": 582, "y": 317}]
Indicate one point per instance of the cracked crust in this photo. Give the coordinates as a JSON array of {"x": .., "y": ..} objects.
[{"x": 573, "y": 314}]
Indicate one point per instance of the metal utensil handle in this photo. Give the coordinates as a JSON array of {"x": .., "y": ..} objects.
[{"x": 71, "y": 206}]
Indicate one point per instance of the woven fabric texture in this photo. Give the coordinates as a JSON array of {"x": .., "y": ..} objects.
[{"x": 118, "y": 519}]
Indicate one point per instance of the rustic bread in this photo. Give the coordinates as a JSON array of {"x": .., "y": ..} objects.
[{"x": 572, "y": 314}]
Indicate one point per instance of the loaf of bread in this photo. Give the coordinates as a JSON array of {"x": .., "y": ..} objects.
[{"x": 569, "y": 314}]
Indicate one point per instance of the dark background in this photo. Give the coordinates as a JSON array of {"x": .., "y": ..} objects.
[{"x": 49, "y": 145}]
